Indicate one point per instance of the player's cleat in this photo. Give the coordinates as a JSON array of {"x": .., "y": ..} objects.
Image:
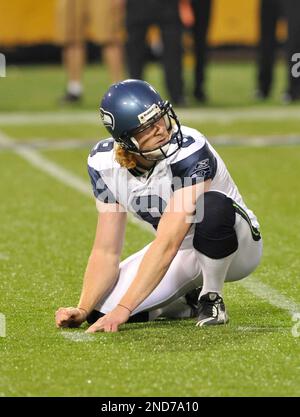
[
  {"x": 211, "y": 310},
  {"x": 260, "y": 95},
  {"x": 191, "y": 298},
  {"x": 70, "y": 98},
  {"x": 200, "y": 95},
  {"x": 289, "y": 97}
]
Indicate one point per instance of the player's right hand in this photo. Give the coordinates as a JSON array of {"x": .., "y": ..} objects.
[{"x": 69, "y": 317}]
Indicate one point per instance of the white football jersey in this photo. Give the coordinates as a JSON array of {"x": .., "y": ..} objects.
[{"x": 147, "y": 196}]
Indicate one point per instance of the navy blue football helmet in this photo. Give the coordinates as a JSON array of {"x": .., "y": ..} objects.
[{"x": 131, "y": 106}]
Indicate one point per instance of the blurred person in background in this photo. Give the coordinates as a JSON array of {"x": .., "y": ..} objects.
[
  {"x": 270, "y": 13},
  {"x": 99, "y": 21},
  {"x": 140, "y": 15},
  {"x": 195, "y": 15},
  {"x": 292, "y": 8}
]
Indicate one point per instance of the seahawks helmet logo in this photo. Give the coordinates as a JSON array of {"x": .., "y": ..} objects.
[{"x": 107, "y": 118}]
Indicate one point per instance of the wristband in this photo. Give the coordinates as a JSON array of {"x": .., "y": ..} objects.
[{"x": 121, "y": 305}]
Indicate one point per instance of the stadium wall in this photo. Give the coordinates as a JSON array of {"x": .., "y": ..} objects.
[{"x": 29, "y": 22}]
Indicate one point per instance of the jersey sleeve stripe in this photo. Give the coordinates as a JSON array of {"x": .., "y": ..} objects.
[
  {"x": 201, "y": 165},
  {"x": 100, "y": 189}
]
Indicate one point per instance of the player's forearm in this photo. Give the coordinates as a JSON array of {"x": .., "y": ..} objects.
[
  {"x": 100, "y": 276},
  {"x": 153, "y": 267}
]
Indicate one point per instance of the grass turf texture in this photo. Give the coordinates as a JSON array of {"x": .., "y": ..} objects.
[
  {"x": 94, "y": 132},
  {"x": 47, "y": 231}
]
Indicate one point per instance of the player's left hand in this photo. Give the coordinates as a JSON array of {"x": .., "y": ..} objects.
[{"x": 111, "y": 321}]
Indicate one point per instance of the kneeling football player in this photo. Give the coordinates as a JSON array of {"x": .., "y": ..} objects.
[{"x": 171, "y": 177}]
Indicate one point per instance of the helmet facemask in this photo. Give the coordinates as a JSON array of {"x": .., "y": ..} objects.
[{"x": 147, "y": 119}]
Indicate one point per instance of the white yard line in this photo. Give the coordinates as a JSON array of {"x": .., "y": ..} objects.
[
  {"x": 57, "y": 172},
  {"x": 270, "y": 295},
  {"x": 255, "y": 141},
  {"x": 41, "y": 118},
  {"x": 61, "y": 144},
  {"x": 264, "y": 329},
  {"x": 261, "y": 290},
  {"x": 231, "y": 115},
  {"x": 43, "y": 164},
  {"x": 220, "y": 140},
  {"x": 77, "y": 336},
  {"x": 186, "y": 115}
]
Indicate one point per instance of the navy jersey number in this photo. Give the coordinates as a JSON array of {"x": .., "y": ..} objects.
[
  {"x": 103, "y": 146},
  {"x": 187, "y": 141},
  {"x": 149, "y": 208}
]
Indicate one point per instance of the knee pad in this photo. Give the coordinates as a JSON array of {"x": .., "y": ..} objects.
[{"x": 215, "y": 235}]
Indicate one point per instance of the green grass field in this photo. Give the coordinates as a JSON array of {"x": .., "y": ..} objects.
[{"x": 47, "y": 229}]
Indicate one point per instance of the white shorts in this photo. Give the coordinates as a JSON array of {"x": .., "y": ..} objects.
[{"x": 184, "y": 272}]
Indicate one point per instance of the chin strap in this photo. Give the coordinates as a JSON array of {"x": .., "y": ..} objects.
[{"x": 157, "y": 154}]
